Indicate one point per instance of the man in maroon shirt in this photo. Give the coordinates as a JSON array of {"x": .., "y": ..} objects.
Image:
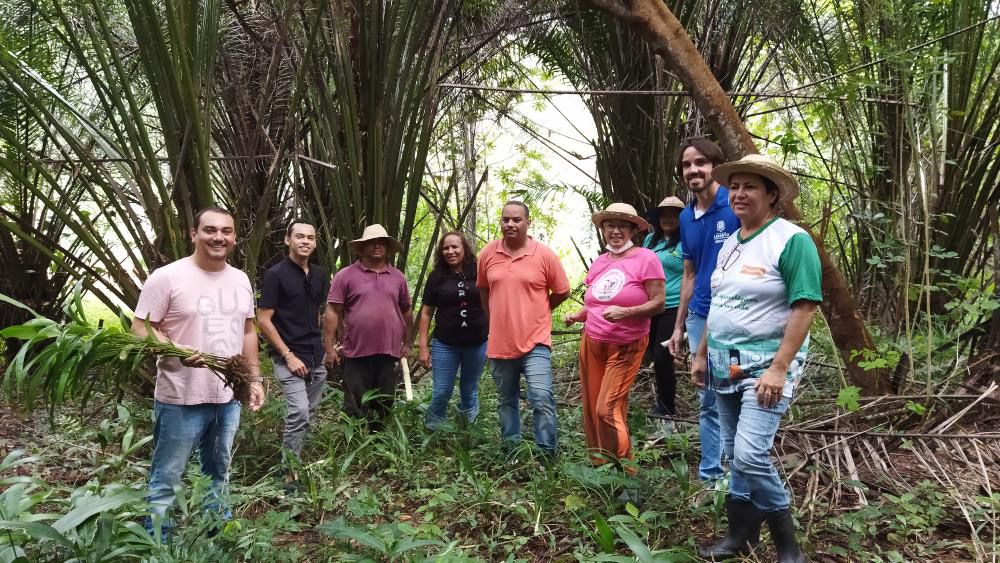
[{"x": 369, "y": 306}]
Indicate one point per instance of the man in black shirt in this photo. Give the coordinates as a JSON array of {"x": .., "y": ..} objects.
[{"x": 292, "y": 295}]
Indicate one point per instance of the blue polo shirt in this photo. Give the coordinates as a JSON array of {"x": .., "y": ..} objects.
[{"x": 701, "y": 240}]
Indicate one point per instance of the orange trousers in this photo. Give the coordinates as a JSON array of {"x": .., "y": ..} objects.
[{"x": 607, "y": 372}]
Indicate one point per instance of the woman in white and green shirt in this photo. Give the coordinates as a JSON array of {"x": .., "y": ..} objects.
[{"x": 765, "y": 290}]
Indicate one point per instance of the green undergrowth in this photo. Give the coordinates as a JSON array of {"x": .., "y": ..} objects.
[
  {"x": 407, "y": 494},
  {"x": 401, "y": 494}
]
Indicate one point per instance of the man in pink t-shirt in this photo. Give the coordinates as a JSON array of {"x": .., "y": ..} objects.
[
  {"x": 203, "y": 303},
  {"x": 520, "y": 281}
]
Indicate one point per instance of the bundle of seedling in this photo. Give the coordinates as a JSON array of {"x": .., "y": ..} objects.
[{"x": 69, "y": 361}]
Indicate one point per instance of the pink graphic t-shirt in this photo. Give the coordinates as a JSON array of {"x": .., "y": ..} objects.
[
  {"x": 203, "y": 310},
  {"x": 619, "y": 282}
]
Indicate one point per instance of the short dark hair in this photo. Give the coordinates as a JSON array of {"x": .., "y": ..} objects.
[
  {"x": 705, "y": 146},
  {"x": 527, "y": 212},
  {"x": 211, "y": 209},
  {"x": 468, "y": 261},
  {"x": 297, "y": 221}
]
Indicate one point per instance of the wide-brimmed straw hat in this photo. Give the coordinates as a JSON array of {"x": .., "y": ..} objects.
[
  {"x": 788, "y": 188},
  {"x": 373, "y": 232},
  {"x": 621, "y": 211},
  {"x": 671, "y": 201}
]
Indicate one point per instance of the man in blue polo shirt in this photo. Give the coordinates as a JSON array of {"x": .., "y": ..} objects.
[{"x": 706, "y": 223}]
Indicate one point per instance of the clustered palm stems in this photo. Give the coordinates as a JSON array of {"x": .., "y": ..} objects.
[{"x": 65, "y": 361}]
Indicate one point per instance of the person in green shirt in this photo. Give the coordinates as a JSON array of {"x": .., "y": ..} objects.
[
  {"x": 665, "y": 242},
  {"x": 766, "y": 287}
]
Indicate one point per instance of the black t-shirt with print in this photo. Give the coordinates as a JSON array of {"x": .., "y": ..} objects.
[{"x": 459, "y": 319}]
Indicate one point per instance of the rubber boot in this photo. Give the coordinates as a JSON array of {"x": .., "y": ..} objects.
[
  {"x": 743, "y": 535},
  {"x": 783, "y": 535}
]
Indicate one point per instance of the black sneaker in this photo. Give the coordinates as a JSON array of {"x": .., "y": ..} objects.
[{"x": 658, "y": 410}]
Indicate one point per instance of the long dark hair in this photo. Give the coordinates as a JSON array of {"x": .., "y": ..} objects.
[
  {"x": 468, "y": 260},
  {"x": 658, "y": 234}
]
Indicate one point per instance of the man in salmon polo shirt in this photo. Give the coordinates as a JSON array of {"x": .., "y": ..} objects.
[
  {"x": 203, "y": 303},
  {"x": 521, "y": 280}
]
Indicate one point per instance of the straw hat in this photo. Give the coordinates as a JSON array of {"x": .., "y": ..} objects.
[
  {"x": 621, "y": 211},
  {"x": 671, "y": 201},
  {"x": 788, "y": 188},
  {"x": 373, "y": 232}
]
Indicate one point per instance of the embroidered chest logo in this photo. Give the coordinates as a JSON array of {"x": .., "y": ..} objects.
[{"x": 609, "y": 285}]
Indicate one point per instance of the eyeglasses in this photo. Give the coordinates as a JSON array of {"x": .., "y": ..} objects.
[
  {"x": 731, "y": 259},
  {"x": 617, "y": 226}
]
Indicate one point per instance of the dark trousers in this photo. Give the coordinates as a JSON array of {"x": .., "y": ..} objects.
[
  {"x": 661, "y": 328},
  {"x": 377, "y": 374}
]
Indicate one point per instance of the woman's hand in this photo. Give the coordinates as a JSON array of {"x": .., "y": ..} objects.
[
  {"x": 569, "y": 319},
  {"x": 614, "y": 313},
  {"x": 424, "y": 357},
  {"x": 770, "y": 386}
]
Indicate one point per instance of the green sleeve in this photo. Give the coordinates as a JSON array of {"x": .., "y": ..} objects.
[{"x": 799, "y": 267}]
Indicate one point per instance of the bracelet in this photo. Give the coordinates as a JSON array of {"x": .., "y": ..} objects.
[{"x": 285, "y": 355}]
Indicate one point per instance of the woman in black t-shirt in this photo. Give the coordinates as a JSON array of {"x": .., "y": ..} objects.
[{"x": 459, "y": 339}]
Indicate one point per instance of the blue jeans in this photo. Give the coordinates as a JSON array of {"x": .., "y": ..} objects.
[
  {"x": 747, "y": 434},
  {"x": 446, "y": 361},
  {"x": 710, "y": 466},
  {"x": 177, "y": 429},
  {"x": 537, "y": 368}
]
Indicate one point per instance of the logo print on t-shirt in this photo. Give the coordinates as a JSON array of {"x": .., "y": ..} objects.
[
  {"x": 463, "y": 312},
  {"x": 609, "y": 285},
  {"x": 720, "y": 226},
  {"x": 221, "y": 333}
]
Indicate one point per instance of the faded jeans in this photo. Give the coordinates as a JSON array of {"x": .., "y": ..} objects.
[
  {"x": 177, "y": 429},
  {"x": 710, "y": 466},
  {"x": 748, "y": 431},
  {"x": 446, "y": 361},
  {"x": 536, "y": 366},
  {"x": 302, "y": 396}
]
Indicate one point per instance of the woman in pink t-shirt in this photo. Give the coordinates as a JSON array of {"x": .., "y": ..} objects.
[{"x": 624, "y": 289}]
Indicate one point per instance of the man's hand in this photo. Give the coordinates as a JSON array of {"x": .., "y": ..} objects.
[
  {"x": 674, "y": 344},
  {"x": 332, "y": 357},
  {"x": 770, "y": 386},
  {"x": 614, "y": 313},
  {"x": 424, "y": 357},
  {"x": 195, "y": 360},
  {"x": 699, "y": 367},
  {"x": 295, "y": 365},
  {"x": 256, "y": 396}
]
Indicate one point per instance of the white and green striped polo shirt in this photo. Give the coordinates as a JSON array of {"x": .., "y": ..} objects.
[{"x": 754, "y": 285}]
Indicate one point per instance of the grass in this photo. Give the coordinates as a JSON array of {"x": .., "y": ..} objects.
[
  {"x": 408, "y": 494},
  {"x": 403, "y": 494}
]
